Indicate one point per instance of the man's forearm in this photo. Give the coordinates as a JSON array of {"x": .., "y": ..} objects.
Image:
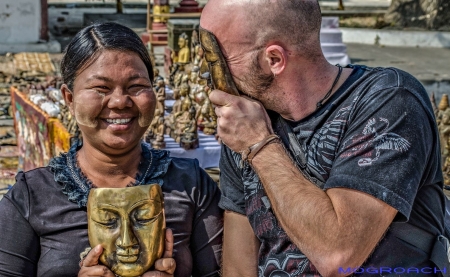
[
  {"x": 320, "y": 223},
  {"x": 240, "y": 247}
]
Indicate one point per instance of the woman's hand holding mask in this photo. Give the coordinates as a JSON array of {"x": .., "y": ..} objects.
[{"x": 164, "y": 267}]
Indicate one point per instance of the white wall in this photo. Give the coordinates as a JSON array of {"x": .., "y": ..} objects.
[
  {"x": 396, "y": 37},
  {"x": 20, "y": 21}
]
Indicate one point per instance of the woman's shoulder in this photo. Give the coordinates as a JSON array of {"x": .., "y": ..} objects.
[
  {"x": 41, "y": 176},
  {"x": 163, "y": 164},
  {"x": 30, "y": 188},
  {"x": 185, "y": 168},
  {"x": 185, "y": 163},
  {"x": 35, "y": 182},
  {"x": 185, "y": 173}
]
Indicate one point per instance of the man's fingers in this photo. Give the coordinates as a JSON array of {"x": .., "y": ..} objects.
[
  {"x": 168, "y": 246},
  {"x": 248, "y": 98},
  {"x": 167, "y": 265},
  {"x": 221, "y": 98},
  {"x": 217, "y": 111},
  {"x": 93, "y": 256}
]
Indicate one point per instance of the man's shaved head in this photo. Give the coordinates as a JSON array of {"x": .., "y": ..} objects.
[{"x": 294, "y": 24}]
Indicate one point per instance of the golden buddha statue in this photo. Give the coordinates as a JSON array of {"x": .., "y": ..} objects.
[
  {"x": 159, "y": 142},
  {"x": 160, "y": 91},
  {"x": 184, "y": 55},
  {"x": 182, "y": 116},
  {"x": 189, "y": 135}
]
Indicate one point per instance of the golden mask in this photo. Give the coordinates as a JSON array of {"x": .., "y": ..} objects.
[
  {"x": 129, "y": 223},
  {"x": 214, "y": 67}
]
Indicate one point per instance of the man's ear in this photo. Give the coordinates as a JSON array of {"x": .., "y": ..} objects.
[
  {"x": 68, "y": 97},
  {"x": 276, "y": 57}
]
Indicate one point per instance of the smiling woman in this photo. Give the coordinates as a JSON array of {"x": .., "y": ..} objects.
[
  {"x": 107, "y": 75},
  {"x": 112, "y": 100}
]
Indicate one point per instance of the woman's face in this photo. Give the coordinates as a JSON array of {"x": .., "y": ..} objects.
[{"x": 112, "y": 100}]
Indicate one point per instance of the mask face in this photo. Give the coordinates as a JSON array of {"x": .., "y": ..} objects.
[
  {"x": 214, "y": 66},
  {"x": 129, "y": 223}
]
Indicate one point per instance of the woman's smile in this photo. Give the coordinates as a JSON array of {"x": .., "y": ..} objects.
[
  {"x": 119, "y": 121},
  {"x": 120, "y": 124}
]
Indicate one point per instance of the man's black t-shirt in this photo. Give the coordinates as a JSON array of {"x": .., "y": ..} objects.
[{"x": 376, "y": 134}]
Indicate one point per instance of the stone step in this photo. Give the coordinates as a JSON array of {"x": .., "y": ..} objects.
[
  {"x": 333, "y": 47},
  {"x": 330, "y": 22},
  {"x": 330, "y": 36},
  {"x": 337, "y": 58}
]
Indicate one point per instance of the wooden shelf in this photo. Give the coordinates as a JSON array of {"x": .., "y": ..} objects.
[
  {"x": 157, "y": 31},
  {"x": 177, "y": 15},
  {"x": 158, "y": 42}
]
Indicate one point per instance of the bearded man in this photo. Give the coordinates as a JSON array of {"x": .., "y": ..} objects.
[{"x": 325, "y": 170}]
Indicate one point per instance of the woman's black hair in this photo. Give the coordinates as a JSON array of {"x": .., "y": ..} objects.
[{"x": 90, "y": 41}]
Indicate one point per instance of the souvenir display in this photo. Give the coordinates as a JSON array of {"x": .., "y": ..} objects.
[
  {"x": 190, "y": 91},
  {"x": 30, "y": 95},
  {"x": 34, "y": 63}
]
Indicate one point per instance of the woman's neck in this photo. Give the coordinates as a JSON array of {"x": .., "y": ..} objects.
[{"x": 109, "y": 170}]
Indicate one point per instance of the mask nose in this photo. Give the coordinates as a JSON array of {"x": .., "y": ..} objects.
[{"x": 127, "y": 238}]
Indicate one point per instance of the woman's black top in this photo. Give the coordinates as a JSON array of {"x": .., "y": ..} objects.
[{"x": 43, "y": 220}]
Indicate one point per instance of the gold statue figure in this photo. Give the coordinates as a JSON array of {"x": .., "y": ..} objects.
[
  {"x": 189, "y": 135},
  {"x": 184, "y": 55},
  {"x": 129, "y": 223},
  {"x": 159, "y": 142}
]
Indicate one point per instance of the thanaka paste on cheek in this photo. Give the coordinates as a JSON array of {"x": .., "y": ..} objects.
[
  {"x": 145, "y": 120},
  {"x": 144, "y": 90},
  {"x": 85, "y": 104}
]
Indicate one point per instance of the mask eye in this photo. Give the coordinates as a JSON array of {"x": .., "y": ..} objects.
[
  {"x": 146, "y": 214},
  {"x": 204, "y": 66},
  {"x": 105, "y": 218},
  {"x": 205, "y": 73}
]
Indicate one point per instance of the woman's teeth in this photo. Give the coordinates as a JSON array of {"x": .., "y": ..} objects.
[{"x": 118, "y": 121}]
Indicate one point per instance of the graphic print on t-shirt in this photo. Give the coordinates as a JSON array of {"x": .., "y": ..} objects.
[{"x": 375, "y": 140}]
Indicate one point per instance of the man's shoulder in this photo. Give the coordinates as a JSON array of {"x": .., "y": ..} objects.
[
  {"x": 376, "y": 84},
  {"x": 388, "y": 77}
]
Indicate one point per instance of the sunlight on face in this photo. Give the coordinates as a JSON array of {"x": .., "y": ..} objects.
[
  {"x": 91, "y": 100},
  {"x": 113, "y": 100}
]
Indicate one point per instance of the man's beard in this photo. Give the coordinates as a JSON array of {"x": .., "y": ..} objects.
[{"x": 257, "y": 82}]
